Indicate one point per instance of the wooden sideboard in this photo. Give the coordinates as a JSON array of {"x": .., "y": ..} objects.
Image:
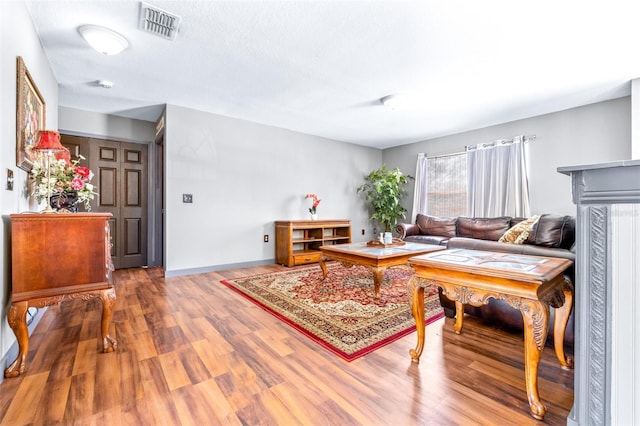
[
  {"x": 55, "y": 257},
  {"x": 298, "y": 241}
]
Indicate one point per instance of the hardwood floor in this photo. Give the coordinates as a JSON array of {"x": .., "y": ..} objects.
[{"x": 193, "y": 352}]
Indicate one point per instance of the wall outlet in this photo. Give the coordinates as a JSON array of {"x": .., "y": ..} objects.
[
  {"x": 363, "y": 232},
  {"x": 187, "y": 198},
  {"x": 266, "y": 238}
]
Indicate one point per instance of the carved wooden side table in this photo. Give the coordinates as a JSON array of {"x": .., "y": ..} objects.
[
  {"x": 528, "y": 283},
  {"x": 55, "y": 257}
]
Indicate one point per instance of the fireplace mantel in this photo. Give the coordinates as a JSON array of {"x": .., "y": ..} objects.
[{"x": 607, "y": 296}]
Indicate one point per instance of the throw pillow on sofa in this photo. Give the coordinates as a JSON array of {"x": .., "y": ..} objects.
[
  {"x": 483, "y": 228},
  {"x": 519, "y": 233},
  {"x": 433, "y": 225}
]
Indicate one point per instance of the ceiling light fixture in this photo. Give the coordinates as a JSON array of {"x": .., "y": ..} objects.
[
  {"x": 105, "y": 84},
  {"x": 397, "y": 101},
  {"x": 103, "y": 39}
]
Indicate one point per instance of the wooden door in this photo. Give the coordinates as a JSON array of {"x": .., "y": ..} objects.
[
  {"x": 121, "y": 179},
  {"x": 121, "y": 174},
  {"x": 78, "y": 147}
]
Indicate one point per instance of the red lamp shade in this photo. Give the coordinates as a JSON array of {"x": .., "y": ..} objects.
[
  {"x": 64, "y": 155},
  {"x": 48, "y": 140}
]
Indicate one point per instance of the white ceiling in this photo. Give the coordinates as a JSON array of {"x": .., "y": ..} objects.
[{"x": 321, "y": 67}]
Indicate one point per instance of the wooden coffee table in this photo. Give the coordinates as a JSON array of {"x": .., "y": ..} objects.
[
  {"x": 376, "y": 258},
  {"x": 528, "y": 283}
]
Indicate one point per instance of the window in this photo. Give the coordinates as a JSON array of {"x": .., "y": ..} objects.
[
  {"x": 447, "y": 185},
  {"x": 487, "y": 180}
]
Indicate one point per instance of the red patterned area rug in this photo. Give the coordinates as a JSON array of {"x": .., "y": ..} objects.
[{"x": 341, "y": 312}]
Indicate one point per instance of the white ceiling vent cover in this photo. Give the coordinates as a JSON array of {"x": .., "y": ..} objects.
[{"x": 159, "y": 22}]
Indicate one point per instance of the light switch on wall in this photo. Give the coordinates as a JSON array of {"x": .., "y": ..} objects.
[
  {"x": 187, "y": 198},
  {"x": 10, "y": 179}
]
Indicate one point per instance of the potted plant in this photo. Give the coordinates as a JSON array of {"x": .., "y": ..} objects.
[
  {"x": 314, "y": 205},
  {"x": 384, "y": 189}
]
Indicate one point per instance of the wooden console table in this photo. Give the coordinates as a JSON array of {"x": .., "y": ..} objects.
[
  {"x": 55, "y": 257},
  {"x": 528, "y": 283}
]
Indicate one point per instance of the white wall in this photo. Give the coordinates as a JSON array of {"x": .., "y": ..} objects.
[
  {"x": 243, "y": 177},
  {"x": 594, "y": 133},
  {"x": 635, "y": 119},
  {"x": 17, "y": 38},
  {"x": 625, "y": 318},
  {"x": 92, "y": 124}
]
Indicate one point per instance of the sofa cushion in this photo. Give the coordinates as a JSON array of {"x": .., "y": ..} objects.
[
  {"x": 434, "y": 225},
  {"x": 428, "y": 239},
  {"x": 516, "y": 220},
  {"x": 519, "y": 232},
  {"x": 482, "y": 228},
  {"x": 553, "y": 231},
  {"x": 484, "y": 245}
]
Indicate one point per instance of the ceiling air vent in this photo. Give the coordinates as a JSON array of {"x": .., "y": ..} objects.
[{"x": 159, "y": 22}]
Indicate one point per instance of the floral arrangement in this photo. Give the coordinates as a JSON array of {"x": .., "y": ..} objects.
[
  {"x": 66, "y": 178},
  {"x": 316, "y": 202}
]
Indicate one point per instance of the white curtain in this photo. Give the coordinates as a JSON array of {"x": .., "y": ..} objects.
[
  {"x": 498, "y": 179},
  {"x": 420, "y": 190}
]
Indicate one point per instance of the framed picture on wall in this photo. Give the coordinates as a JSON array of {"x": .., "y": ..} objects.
[{"x": 30, "y": 116}]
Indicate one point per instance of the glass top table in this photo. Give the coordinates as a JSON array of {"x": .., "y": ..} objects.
[
  {"x": 530, "y": 284},
  {"x": 376, "y": 258}
]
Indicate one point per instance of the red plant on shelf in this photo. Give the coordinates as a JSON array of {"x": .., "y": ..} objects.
[{"x": 316, "y": 201}]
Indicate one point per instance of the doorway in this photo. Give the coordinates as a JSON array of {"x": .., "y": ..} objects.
[
  {"x": 157, "y": 239},
  {"x": 121, "y": 179}
]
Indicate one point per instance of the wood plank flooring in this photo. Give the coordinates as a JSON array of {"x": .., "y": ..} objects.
[{"x": 193, "y": 352}]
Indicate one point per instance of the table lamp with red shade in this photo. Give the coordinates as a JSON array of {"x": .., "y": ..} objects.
[{"x": 47, "y": 147}]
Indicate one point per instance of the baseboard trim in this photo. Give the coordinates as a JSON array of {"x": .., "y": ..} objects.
[{"x": 214, "y": 268}]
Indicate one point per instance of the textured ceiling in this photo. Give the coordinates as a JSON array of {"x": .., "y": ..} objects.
[{"x": 321, "y": 67}]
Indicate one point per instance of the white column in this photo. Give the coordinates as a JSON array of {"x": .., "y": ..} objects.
[
  {"x": 635, "y": 119},
  {"x": 625, "y": 315},
  {"x": 607, "y": 293}
]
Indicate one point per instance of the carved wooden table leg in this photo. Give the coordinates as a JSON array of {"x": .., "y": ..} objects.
[
  {"x": 416, "y": 290},
  {"x": 17, "y": 319},
  {"x": 323, "y": 266},
  {"x": 378, "y": 274},
  {"x": 536, "y": 319},
  {"x": 559, "y": 327},
  {"x": 457, "y": 327},
  {"x": 108, "y": 298}
]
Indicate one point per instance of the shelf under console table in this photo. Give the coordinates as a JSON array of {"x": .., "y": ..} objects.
[{"x": 55, "y": 257}]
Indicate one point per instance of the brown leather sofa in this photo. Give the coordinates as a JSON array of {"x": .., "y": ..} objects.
[{"x": 551, "y": 235}]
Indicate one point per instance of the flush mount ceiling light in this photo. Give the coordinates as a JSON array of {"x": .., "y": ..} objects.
[
  {"x": 397, "y": 101},
  {"x": 103, "y": 39},
  {"x": 105, "y": 84}
]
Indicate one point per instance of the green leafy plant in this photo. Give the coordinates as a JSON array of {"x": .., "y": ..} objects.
[{"x": 384, "y": 189}]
